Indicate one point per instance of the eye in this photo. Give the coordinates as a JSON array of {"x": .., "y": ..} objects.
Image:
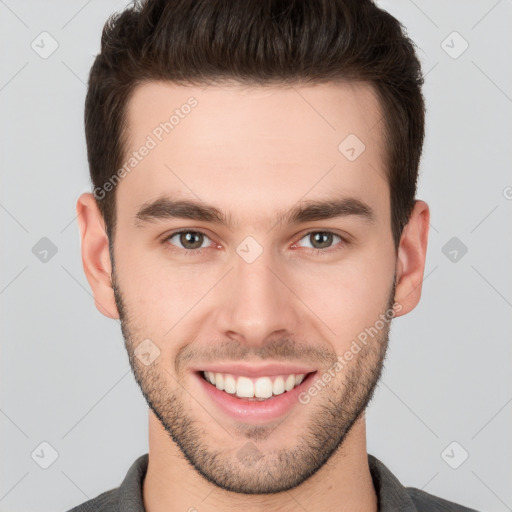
[
  {"x": 321, "y": 241},
  {"x": 189, "y": 241}
]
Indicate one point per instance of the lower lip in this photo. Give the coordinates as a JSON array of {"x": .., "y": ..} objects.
[{"x": 255, "y": 411}]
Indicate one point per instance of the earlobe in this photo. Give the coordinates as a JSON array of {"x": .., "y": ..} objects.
[
  {"x": 410, "y": 265},
  {"x": 95, "y": 254}
]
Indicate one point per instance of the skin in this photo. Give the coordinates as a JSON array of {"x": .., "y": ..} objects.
[{"x": 237, "y": 150}]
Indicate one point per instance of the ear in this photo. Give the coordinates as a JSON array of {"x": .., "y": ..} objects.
[
  {"x": 412, "y": 252},
  {"x": 95, "y": 254}
]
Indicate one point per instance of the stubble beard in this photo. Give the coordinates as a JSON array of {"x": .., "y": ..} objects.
[{"x": 246, "y": 467}]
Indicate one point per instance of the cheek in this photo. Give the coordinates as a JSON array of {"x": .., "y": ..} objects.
[
  {"x": 348, "y": 297},
  {"x": 160, "y": 300},
  {"x": 156, "y": 294}
]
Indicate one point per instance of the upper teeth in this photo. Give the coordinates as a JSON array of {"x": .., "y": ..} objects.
[{"x": 262, "y": 387}]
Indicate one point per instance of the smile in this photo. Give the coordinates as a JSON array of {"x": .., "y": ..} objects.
[
  {"x": 254, "y": 388},
  {"x": 254, "y": 395}
]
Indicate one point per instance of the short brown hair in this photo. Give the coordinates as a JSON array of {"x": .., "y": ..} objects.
[{"x": 257, "y": 42}]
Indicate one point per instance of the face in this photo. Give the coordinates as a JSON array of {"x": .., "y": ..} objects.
[{"x": 250, "y": 302}]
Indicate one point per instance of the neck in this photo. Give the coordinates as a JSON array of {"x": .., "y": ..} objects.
[{"x": 343, "y": 484}]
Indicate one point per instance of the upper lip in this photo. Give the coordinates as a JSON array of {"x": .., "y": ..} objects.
[{"x": 253, "y": 370}]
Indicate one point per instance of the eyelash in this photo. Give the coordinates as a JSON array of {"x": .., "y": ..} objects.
[{"x": 196, "y": 252}]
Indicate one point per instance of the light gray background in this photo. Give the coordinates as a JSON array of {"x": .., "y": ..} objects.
[{"x": 65, "y": 378}]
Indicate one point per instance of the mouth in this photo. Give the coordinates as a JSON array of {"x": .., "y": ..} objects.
[
  {"x": 255, "y": 395},
  {"x": 254, "y": 389}
]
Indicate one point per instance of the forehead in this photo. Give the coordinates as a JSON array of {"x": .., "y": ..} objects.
[{"x": 263, "y": 146}]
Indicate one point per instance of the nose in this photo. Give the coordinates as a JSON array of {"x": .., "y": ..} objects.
[{"x": 256, "y": 301}]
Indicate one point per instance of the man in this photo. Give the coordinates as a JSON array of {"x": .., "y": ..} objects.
[{"x": 254, "y": 227}]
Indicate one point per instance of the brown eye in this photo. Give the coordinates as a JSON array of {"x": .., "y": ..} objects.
[
  {"x": 189, "y": 240},
  {"x": 321, "y": 239}
]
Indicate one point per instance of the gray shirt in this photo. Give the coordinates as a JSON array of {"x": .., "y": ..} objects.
[{"x": 392, "y": 495}]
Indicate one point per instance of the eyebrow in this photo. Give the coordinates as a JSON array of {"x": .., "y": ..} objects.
[{"x": 165, "y": 208}]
